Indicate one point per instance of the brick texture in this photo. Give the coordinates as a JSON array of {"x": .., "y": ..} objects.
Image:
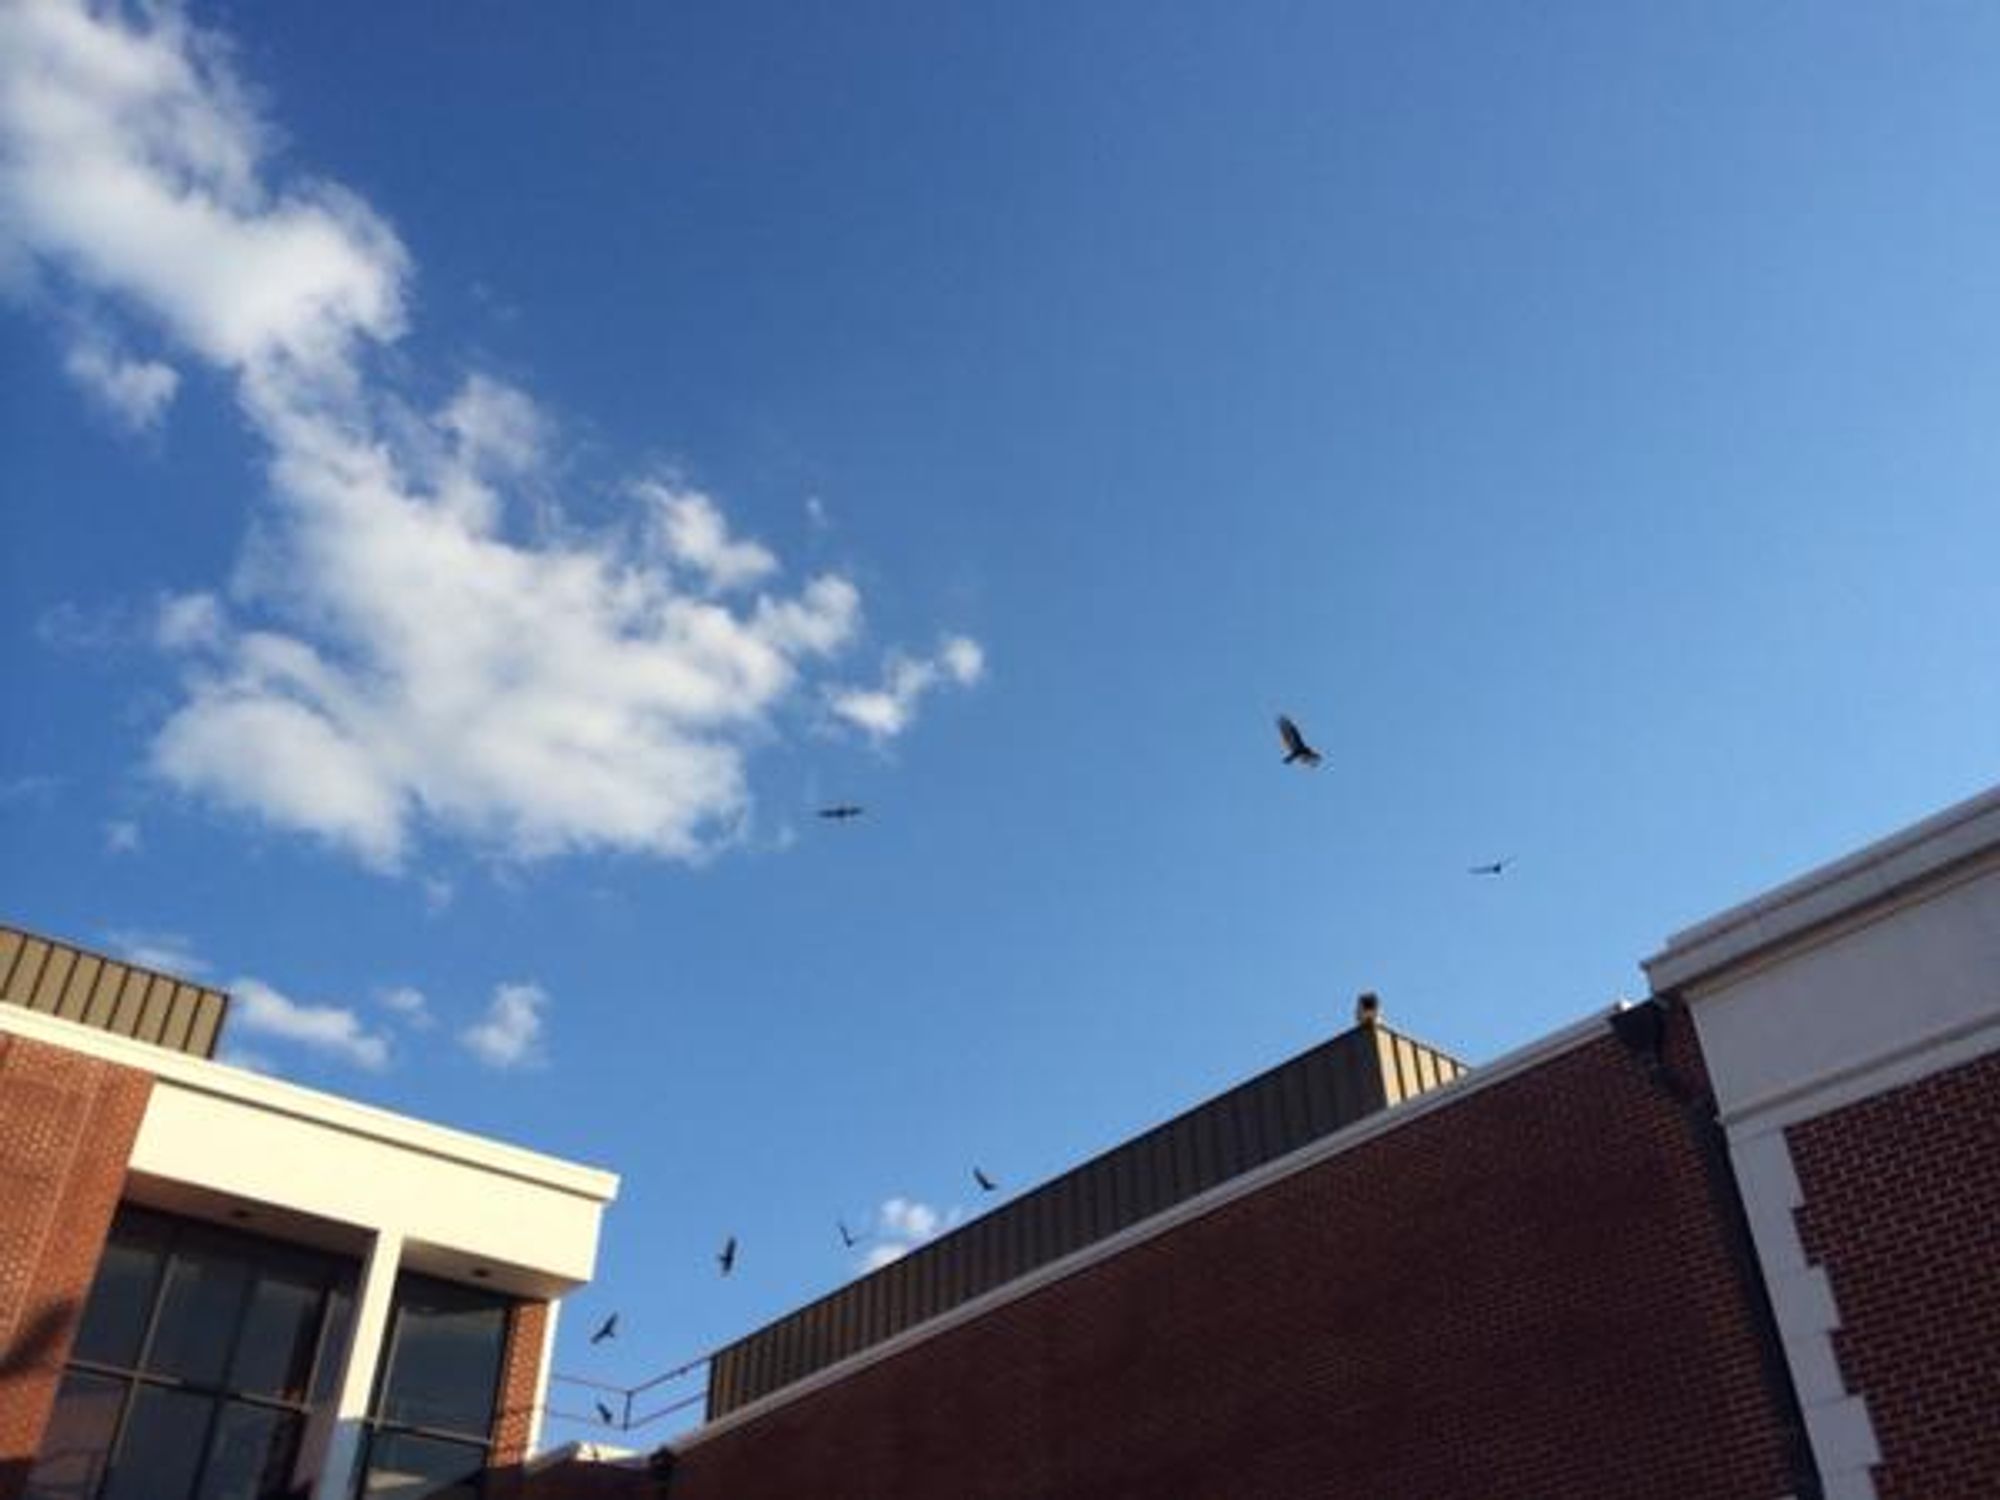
[
  {"x": 67, "y": 1122},
  {"x": 1525, "y": 1294},
  {"x": 520, "y": 1380},
  {"x": 1902, "y": 1209}
]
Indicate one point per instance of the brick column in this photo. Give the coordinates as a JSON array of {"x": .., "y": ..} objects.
[
  {"x": 67, "y": 1122},
  {"x": 520, "y": 1382}
]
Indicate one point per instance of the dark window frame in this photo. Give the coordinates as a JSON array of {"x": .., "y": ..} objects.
[
  {"x": 377, "y": 1426},
  {"x": 167, "y": 1234}
]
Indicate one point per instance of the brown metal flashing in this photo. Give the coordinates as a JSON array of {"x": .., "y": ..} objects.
[
  {"x": 1355, "y": 1074},
  {"x": 91, "y": 989}
]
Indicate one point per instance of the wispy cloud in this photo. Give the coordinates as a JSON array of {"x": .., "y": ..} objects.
[
  {"x": 248, "y": 1061},
  {"x": 421, "y": 643},
  {"x": 902, "y": 1224},
  {"x": 259, "y": 1009},
  {"x": 886, "y": 711},
  {"x": 409, "y": 1006},
  {"x": 134, "y": 391},
  {"x": 122, "y": 836},
  {"x": 35, "y": 786},
  {"x": 509, "y": 1035},
  {"x": 333, "y": 1030},
  {"x": 167, "y": 952}
]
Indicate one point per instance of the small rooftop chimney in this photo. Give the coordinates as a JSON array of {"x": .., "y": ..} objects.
[{"x": 1367, "y": 1008}]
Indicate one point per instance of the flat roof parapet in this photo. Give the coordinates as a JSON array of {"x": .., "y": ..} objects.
[
  {"x": 59, "y": 979},
  {"x": 1357, "y": 1073}
]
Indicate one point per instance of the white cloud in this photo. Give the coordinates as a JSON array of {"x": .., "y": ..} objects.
[
  {"x": 187, "y": 621},
  {"x": 122, "y": 836},
  {"x": 249, "y": 1062},
  {"x": 886, "y": 711},
  {"x": 902, "y": 1224},
  {"x": 509, "y": 1035},
  {"x": 422, "y": 643},
  {"x": 36, "y": 786},
  {"x": 256, "y": 1007},
  {"x": 410, "y": 1006},
  {"x": 135, "y": 391},
  {"x": 166, "y": 952},
  {"x": 817, "y": 514},
  {"x": 691, "y": 531}
]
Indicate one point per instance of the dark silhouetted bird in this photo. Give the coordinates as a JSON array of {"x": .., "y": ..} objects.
[
  {"x": 1296, "y": 748},
  {"x": 847, "y": 1236},
  {"x": 608, "y": 1329},
  {"x": 726, "y": 1256},
  {"x": 986, "y": 1184},
  {"x": 606, "y": 1415},
  {"x": 1367, "y": 1008},
  {"x": 841, "y": 811},
  {"x": 1493, "y": 869}
]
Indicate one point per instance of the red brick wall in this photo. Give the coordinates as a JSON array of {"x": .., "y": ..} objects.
[
  {"x": 1902, "y": 1209},
  {"x": 520, "y": 1381},
  {"x": 1525, "y": 1294},
  {"x": 67, "y": 1122}
]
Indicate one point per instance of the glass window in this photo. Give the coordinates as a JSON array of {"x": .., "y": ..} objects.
[
  {"x": 198, "y": 1313},
  {"x": 274, "y": 1354},
  {"x": 121, "y": 1298},
  {"x": 403, "y": 1466},
  {"x": 252, "y": 1455},
  {"x": 78, "y": 1439},
  {"x": 444, "y": 1362},
  {"x": 192, "y": 1369},
  {"x": 160, "y": 1451},
  {"x": 332, "y": 1361}
]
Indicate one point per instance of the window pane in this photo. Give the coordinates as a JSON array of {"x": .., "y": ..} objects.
[
  {"x": 446, "y": 1362},
  {"x": 114, "y": 1320},
  {"x": 252, "y": 1456},
  {"x": 403, "y": 1467},
  {"x": 333, "y": 1347},
  {"x": 77, "y": 1439},
  {"x": 198, "y": 1311},
  {"x": 162, "y": 1446},
  {"x": 274, "y": 1354}
]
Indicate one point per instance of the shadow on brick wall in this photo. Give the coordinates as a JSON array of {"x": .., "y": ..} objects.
[{"x": 43, "y": 1344}]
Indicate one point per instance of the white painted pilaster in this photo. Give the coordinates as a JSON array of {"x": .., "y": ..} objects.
[
  {"x": 364, "y": 1356},
  {"x": 1837, "y": 1422}
]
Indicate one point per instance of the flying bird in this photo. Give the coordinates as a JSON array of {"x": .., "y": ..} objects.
[
  {"x": 1493, "y": 869},
  {"x": 986, "y": 1184},
  {"x": 726, "y": 1256},
  {"x": 847, "y": 1236},
  {"x": 841, "y": 811},
  {"x": 1296, "y": 748},
  {"x": 606, "y": 1415},
  {"x": 608, "y": 1329}
]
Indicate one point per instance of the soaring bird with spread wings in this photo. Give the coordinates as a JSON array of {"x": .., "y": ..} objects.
[
  {"x": 726, "y": 1256},
  {"x": 840, "y": 812},
  {"x": 1296, "y": 748}
]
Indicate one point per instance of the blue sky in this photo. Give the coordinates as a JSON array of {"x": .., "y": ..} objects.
[{"x": 474, "y": 486}]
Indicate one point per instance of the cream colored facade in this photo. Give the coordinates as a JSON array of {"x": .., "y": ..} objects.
[{"x": 240, "y": 1148}]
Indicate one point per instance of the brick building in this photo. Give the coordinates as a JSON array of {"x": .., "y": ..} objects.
[
  {"x": 220, "y": 1283},
  {"x": 1738, "y": 1242}
]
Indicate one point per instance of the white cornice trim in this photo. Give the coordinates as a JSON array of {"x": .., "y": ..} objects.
[
  {"x": 1960, "y": 834},
  {"x": 330, "y": 1111},
  {"x": 1915, "y": 1060}
]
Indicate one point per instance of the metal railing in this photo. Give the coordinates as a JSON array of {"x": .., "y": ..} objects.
[{"x": 631, "y": 1407}]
